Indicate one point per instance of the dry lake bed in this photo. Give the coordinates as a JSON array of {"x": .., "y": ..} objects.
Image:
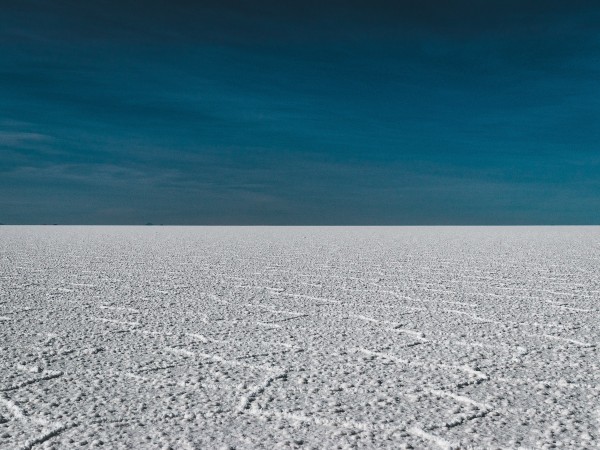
[{"x": 299, "y": 337}]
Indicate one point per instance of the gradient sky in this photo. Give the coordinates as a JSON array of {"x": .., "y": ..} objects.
[{"x": 308, "y": 112}]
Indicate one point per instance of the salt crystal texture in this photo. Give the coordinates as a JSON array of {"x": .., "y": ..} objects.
[{"x": 305, "y": 337}]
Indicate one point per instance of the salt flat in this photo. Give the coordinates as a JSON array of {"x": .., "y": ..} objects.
[{"x": 274, "y": 337}]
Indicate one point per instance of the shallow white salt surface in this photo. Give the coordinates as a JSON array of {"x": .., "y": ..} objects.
[{"x": 272, "y": 337}]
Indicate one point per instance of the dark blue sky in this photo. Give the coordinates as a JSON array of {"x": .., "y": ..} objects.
[{"x": 312, "y": 112}]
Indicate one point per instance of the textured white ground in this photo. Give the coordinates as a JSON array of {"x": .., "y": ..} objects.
[{"x": 210, "y": 337}]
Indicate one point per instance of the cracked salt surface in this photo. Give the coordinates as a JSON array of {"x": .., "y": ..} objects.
[{"x": 266, "y": 337}]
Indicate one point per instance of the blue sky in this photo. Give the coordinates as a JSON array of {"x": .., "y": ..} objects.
[{"x": 231, "y": 112}]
